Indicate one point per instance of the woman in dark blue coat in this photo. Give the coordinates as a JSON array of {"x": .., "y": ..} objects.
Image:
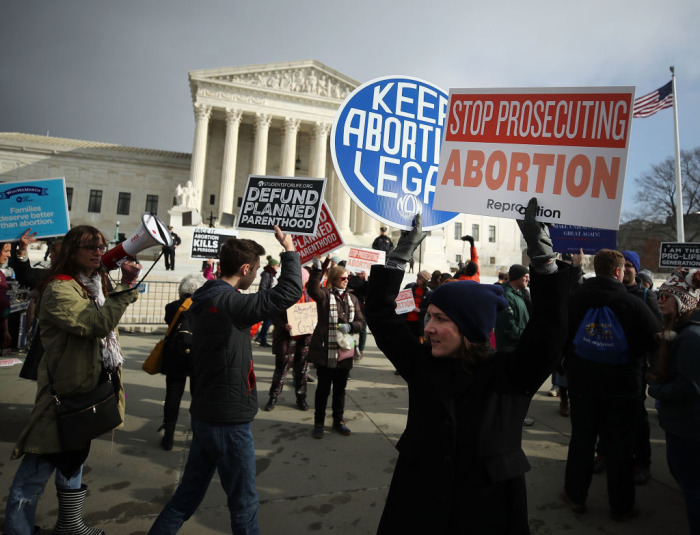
[{"x": 461, "y": 467}]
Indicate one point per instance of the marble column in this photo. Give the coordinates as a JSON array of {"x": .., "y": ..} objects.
[
  {"x": 262, "y": 129},
  {"x": 319, "y": 149},
  {"x": 202, "y": 113},
  {"x": 289, "y": 146},
  {"x": 342, "y": 206},
  {"x": 228, "y": 172}
]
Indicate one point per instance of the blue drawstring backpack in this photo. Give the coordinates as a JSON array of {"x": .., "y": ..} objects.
[{"x": 600, "y": 337}]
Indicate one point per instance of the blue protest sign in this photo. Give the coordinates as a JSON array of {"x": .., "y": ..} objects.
[
  {"x": 385, "y": 145},
  {"x": 39, "y": 204},
  {"x": 570, "y": 238}
]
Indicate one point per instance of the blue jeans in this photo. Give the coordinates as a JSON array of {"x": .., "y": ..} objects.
[
  {"x": 229, "y": 450},
  {"x": 27, "y": 487},
  {"x": 684, "y": 463}
]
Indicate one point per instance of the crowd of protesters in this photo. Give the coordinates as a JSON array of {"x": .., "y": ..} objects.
[{"x": 472, "y": 355}]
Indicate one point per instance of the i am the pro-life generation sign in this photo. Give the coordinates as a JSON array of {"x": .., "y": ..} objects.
[
  {"x": 385, "y": 144},
  {"x": 565, "y": 146},
  {"x": 673, "y": 255},
  {"x": 291, "y": 203},
  {"x": 37, "y": 204}
]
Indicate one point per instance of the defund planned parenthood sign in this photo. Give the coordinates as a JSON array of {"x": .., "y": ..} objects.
[
  {"x": 565, "y": 146},
  {"x": 385, "y": 145}
]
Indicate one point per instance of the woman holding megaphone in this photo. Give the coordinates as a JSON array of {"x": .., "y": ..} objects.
[{"x": 78, "y": 318}]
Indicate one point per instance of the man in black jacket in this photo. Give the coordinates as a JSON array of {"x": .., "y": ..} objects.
[
  {"x": 224, "y": 396},
  {"x": 605, "y": 388}
]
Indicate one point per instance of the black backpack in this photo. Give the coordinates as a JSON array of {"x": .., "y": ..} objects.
[{"x": 178, "y": 344}]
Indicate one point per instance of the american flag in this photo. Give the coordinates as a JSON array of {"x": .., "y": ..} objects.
[{"x": 648, "y": 105}]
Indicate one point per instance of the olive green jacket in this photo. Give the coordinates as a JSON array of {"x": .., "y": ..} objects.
[{"x": 71, "y": 327}]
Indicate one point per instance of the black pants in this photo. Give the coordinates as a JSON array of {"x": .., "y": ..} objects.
[
  {"x": 642, "y": 439},
  {"x": 174, "y": 388},
  {"x": 614, "y": 419},
  {"x": 297, "y": 361},
  {"x": 338, "y": 378},
  {"x": 169, "y": 256}
]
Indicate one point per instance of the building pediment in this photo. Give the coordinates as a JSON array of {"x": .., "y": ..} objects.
[{"x": 301, "y": 78}]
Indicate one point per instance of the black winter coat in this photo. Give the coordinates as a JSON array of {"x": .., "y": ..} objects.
[
  {"x": 461, "y": 466},
  {"x": 223, "y": 381}
]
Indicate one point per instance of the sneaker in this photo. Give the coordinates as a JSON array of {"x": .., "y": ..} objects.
[
  {"x": 317, "y": 432},
  {"x": 527, "y": 422},
  {"x": 554, "y": 391},
  {"x": 642, "y": 475},
  {"x": 310, "y": 379},
  {"x": 578, "y": 508},
  {"x": 623, "y": 517},
  {"x": 599, "y": 464},
  {"x": 341, "y": 428}
]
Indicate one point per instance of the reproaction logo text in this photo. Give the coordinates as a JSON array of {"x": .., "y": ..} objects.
[{"x": 520, "y": 208}]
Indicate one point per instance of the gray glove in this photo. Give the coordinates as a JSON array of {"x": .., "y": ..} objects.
[
  {"x": 407, "y": 245},
  {"x": 316, "y": 262},
  {"x": 539, "y": 244},
  {"x": 344, "y": 328}
]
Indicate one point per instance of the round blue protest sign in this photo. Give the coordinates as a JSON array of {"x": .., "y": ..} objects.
[{"x": 385, "y": 144}]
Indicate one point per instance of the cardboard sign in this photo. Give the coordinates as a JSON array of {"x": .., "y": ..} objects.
[
  {"x": 303, "y": 318},
  {"x": 565, "y": 146},
  {"x": 673, "y": 255},
  {"x": 37, "y": 204},
  {"x": 569, "y": 239},
  {"x": 326, "y": 239},
  {"x": 405, "y": 302},
  {"x": 207, "y": 242},
  {"x": 385, "y": 144},
  {"x": 362, "y": 260},
  {"x": 293, "y": 204}
]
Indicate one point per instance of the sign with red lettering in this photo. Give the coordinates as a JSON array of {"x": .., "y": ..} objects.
[
  {"x": 326, "y": 239},
  {"x": 405, "y": 302},
  {"x": 565, "y": 146},
  {"x": 363, "y": 259}
]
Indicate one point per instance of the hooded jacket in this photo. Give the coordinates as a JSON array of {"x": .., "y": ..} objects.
[{"x": 223, "y": 381}]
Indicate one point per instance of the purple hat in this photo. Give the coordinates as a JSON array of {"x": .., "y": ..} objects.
[{"x": 472, "y": 306}]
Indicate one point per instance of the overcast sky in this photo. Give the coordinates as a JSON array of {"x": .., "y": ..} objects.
[{"x": 116, "y": 70}]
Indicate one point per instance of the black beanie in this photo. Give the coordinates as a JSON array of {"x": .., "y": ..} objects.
[
  {"x": 472, "y": 306},
  {"x": 516, "y": 271}
]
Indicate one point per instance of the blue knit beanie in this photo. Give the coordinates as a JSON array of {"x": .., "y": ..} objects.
[
  {"x": 633, "y": 257},
  {"x": 472, "y": 306}
]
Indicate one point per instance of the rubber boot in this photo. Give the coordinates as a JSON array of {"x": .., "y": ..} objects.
[
  {"x": 169, "y": 436},
  {"x": 301, "y": 403},
  {"x": 70, "y": 514}
]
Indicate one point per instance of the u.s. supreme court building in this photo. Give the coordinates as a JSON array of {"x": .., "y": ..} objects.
[{"x": 271, "y": 119}]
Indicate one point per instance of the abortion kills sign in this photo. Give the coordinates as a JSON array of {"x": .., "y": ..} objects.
[
  {"x": 293, "y": 204},
  {"x": 566, "y": 146},
  {"x": 207, "y": 242},
  {"x": 385, "y": 144}
]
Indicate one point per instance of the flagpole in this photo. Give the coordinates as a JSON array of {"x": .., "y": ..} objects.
[{"x": 680, "y": 231}]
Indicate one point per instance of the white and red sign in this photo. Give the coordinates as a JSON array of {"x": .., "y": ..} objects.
[
  {"x": 362, "y": 260},
  {"x": 405, "y": 302},
  {"x": 565, "y": 146},
  {"x": 326, "y": 239}
]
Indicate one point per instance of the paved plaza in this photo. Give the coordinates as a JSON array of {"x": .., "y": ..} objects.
[{"x": 334, "y": 485}]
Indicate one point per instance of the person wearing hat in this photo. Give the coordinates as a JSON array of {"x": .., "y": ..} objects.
[
  {"x": 461, "y": 467},
  {"x": 646, "y": 278},
  {"x": 675, "y": 384},
  {"x": 511, "y": 322},
  {"x": 383, "y": 242},
  {"x": 421, "y": 293},
  {"x": 169, "y": 250}
]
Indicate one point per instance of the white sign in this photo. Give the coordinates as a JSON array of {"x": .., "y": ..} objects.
[
  {"x": 303, "y": 318},
  {"x": 405, "y": 302},
  {"x": 565, "y": 146},
  {"x": 362, "y": 260}
]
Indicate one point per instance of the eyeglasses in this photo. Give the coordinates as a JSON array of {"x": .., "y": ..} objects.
[
  {"x": 100, "y": 248},
  {"x": 663, "y": 298},
  {"x": 628, "y": 266},
  {"x": 343, "y": 278}
]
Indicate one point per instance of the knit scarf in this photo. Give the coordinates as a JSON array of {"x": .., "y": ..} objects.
[
  {"x": 111, "y": 352},
  {"x": 333, "y": 326}
]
